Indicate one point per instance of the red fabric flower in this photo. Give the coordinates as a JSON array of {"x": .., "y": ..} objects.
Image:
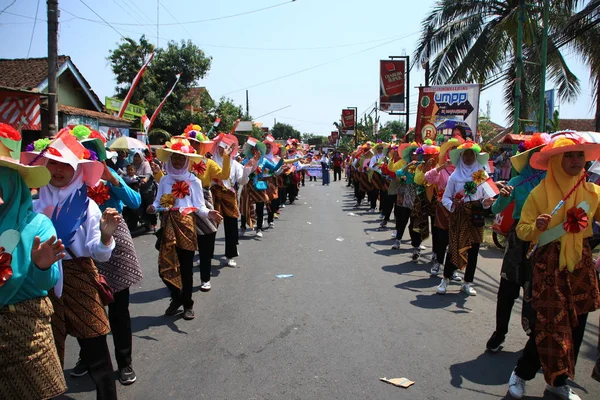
[
  {"x": 5, "y": 268},
  {"x": 199, "y": 168},
  {"x": 99, "y": 194},
  {"x": 8, "y": 132},
  {"x": 577, "y": 220},
  {"x": 54, "y": 152},
  {"x": 97, "y": 135},
  {"x": 180, "y": 189},
  {"x": 177, "y": 146}
]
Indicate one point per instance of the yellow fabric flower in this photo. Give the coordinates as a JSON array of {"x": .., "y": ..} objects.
[
  {"x": 167, "y": 200},
  {"x": 479, "y": 177}
]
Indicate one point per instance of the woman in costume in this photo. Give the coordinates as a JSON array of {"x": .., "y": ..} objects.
[
  {"x": 438, "y": 177},
  {"x": 388, "y": 171},
  {"x": 181, "y": 200},
  {"x": 207, "y": 170},
  {"x": 405, "y": 202},
  {"x": 565, "y": 282},
  {"x": 123, "y": 269},
  {"x": 515, "y": 272},
  {"x": 272, "y": 190},
  {"x": 465, "y": 198},
  {"x": 29, "y": 257},
  {"x": 225, "y": 194},
  {"x": 87, "y": 234},
  {"x": 147, "y": 188}
]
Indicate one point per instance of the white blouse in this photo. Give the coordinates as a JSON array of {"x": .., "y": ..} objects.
[
  {"x": 454, "y": 186},
  {"x": 194, "y": 199}
]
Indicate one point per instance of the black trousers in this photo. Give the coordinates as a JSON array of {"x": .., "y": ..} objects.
[
  {"x": 206, "y": 250},
  {"x": 186, "y": 265},
  {"x": 372, "y": 195},
  {"x": 282, "y": 194},
  {"x": 508, "y": 292},
  {"x": 260, "y": 215},
  {"x": 440, "y": 239},
  {"x": 337, "y": 173},
  {"x": 231, "y": 236},
  {"x": 402, "y": 215},
  {"x": 303, "y": 176},
  {"x": 529, "y": 363},
  {"x": 292, "y": 191},
  {"x": 388, "y": 204},
  {"x": 95, "y": 354},
  {"x": 243, "y": 222},
  {"x": 472, "y": 255}
]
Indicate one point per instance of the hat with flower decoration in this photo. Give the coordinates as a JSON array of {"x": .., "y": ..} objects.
[
  {"x": 65, "y": 148},
  {"x": 527, "y": 148},
  {"x": 193, "y": 133},
  {"x": 270, "y": 140},
  {"x": 253, "y": 142},
  {"x": 448, "y": 145},
  {"x": 428, "y": 148},
  {"x": 456, "y": 154},
  {"x": 34, "y": 176},
  {"x": 177, "y": 145},
  {"x": 563, "y": 143},
  {"x": 408, "y": 150}
]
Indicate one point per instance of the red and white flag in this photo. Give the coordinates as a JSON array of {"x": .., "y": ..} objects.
[
  {"x": 217, "y": 122},
  {"x": 270, "y": 138},
  {"x": 145, "y": 122},
  {"x": 135, "y": 82},
  {"x": 162, "y": 103},
  {"x": 251, "y": 141},
  {"x": 490, "y": 188}
]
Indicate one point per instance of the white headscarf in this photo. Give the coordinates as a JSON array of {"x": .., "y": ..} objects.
[
  {"x": 463, "y": 173},
  {"x": 178, "y": 175},
  {"x": 52, "y": 196}
]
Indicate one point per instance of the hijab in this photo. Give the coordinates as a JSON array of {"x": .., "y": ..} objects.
[
  {"x": 557, "y": 185},
  {"x": 463, "y": 173},
  {"x": 52, "y": 196},
  {"x": 182, "y": 174}
]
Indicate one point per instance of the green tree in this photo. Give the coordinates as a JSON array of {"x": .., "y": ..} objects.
[
  {"x": 313, "y": 140},
  {"x": 183, "y": 58},
  {"x": 229, "y": 113},
  {"x": 283, "y": 131},
  {"x": 475, "y": 41}
]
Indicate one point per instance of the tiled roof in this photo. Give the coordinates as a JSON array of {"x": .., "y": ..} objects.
[
  {"x": 89, "y": 113},
  {"x": 583, "y": 125},
  {"x": 25, "y": 73}
]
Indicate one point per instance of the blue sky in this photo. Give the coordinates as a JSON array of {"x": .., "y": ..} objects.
[{"x": 337, "y": 42}]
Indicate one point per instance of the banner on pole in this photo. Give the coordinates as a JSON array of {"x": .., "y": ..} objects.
[
  {"x": 445, "y": 107},
  {"x": 392, "y": 89},
  {"x": 348, "y": 121}
]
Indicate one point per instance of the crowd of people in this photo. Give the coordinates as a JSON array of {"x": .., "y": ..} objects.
[
  {"x": 444, "y": 190},
  {"x": 67, "y": 257}
]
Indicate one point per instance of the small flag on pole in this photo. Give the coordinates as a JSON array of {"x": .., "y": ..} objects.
[
  {"x": 217, "y": 122},
  {"x": 490, "y": 188},
  {"x": 145, "y": 122},
  {"x": 251, "y": 141}
]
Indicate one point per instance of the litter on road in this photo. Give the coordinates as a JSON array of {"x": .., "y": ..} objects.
[
  {"x": 399, "y": 382},
  {"x": 283, "y": 276}
]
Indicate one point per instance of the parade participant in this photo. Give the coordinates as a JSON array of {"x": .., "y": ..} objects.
[
  {"x": 557, "y": 216},
  {"x": 87, "y": 234},
  {"x": 122, "y": 270},
  {"x": 465, "y": 198},
  {"x": 272, "y": 153},
  {"x": 29, "y": 257},
  {"x": 255, "y": 192},
  {"x": 389, "y": 171},
  {"x": 225, "y": 194},
  {"x": 147, "y": 188},
  {"x": 325, "y": 164},
  {"x": 424, "y": 208},
  {"x": 361, "y": 180},
  {"x": 337, "y": 162},
  {"x": 438, "y": 177},
  {"x": 405, "y": 201},
  {"x": 207, "y": 170},
  {"x": 375, "y": 164},
  {"x": 515, "y": 271},
  {"x": 181, "y": 200}
]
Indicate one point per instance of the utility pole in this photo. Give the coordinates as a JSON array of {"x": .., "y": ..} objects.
[
  {"x": 157, "y": 24},
  {"x": 247, "y": 106},
  {"x": 52, "y": 66},
  {"x": 427, "y": 73},
  {"x": 519, "y": 67},
  {"x": 544, "y": 61}
]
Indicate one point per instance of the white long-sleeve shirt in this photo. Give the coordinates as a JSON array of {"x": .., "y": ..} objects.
[
  {"x": 453, "y": 187},
  {"x": 374, "y": 160},
  {"x": 194, "y": 199}
]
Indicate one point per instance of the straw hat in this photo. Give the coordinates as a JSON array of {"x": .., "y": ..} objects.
[
  {"x": 178, "y": 145},
  {"x": 563, "y": 143},
  {"x": 527, "y": 148},
  {"x": 449, "y": 145},
  {"x": 34, "y": 176}
]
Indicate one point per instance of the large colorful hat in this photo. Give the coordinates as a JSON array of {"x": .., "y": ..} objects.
[
  {"x": 408, "y": 150},
  {"x": 456, "y": 154},
  {"x": 193, "y": 133},
  {"x": 274, "y": 146},
  {"x": 527, "y": 148},
  {"x": 428, "y": 148},
  {"x": 563, "y": 143},
  {"x": 447, "y": 146},
  {"x": 66, "y": 149},
  {"x": 253, "y": 142},
  {"x": 177, "y": 145},
  {"x": 34, "y": 176}
]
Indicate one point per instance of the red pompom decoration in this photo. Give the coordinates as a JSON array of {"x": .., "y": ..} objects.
[
  {"x": 8, "y": 132},
  {"x": 199, "y": 168},
  {"x": 177, "y": 146},
  {"x": 180, "y": 189},
  {"x": 577, "y": 220},
  {"x": 99, "y": 193},
  {"x": 5, "y": 269}
]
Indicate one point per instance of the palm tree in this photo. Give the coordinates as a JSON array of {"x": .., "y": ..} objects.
[
  {"x": 582, "y": 32},
  {"x": 474, "y": 41}
]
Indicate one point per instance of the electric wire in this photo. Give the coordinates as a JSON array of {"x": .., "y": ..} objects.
[
  {"x": 98, "y": 15},
  {"x": 37, "y": 9},
  {"x": 7, "y": 7}
]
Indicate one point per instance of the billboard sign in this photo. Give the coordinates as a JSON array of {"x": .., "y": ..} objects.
[{"x": 392, "y": 89}]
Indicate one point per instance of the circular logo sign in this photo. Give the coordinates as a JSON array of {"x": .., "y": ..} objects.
[{"x": 425, "y": 101}]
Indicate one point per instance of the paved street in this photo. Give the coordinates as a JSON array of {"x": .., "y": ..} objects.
[{"x": 353, "y": 312}]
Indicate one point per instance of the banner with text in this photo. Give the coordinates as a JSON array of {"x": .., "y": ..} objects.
[
  {"x": 391, "y": 86},
  {"x": 348, "y": 121},
  {"x": 445, "y": 107}
]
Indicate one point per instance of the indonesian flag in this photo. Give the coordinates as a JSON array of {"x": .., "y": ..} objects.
[
  {"x": 217, "y": 122},
  {"x": 289, "y": 142},
  {"x": 490, "y": 188},
  {"x": 270, "y": 138},
  {"x": 251, "y": 141},
  {"x": 135, "y": 82},
  {"x": 145, "y": 122},
  {"x": 393, "y": 138}
]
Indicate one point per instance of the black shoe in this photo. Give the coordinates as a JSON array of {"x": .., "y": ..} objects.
[
  {"x": 127, "y": 375},
  {"x": 188, "y": 314},
  {"x": 173, "y": 307},
  {"x": 495, "y": 343},
  {"x": 79, "y": 370}
]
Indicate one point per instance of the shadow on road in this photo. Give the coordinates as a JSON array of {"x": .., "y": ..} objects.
[
  {"x": 142, "y": 322},
  {"x": 149, "y": 296}
]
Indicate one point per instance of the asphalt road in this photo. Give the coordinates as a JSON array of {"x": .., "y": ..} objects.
[{"x": 353, "y": 312}]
